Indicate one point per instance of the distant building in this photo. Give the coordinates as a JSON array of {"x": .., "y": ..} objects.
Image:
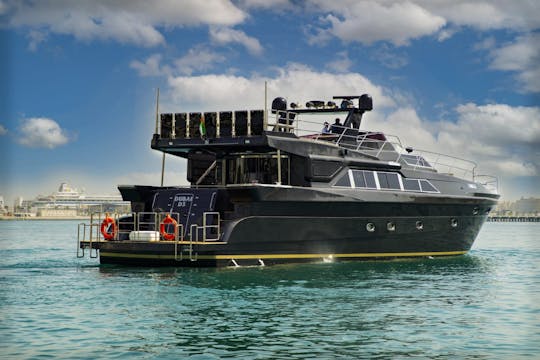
[
  {"x": 62, "y": 212},
  {"x": 3, "y": 209},
  {"x": 521, "y": 207},
  {"x": 527, "y": 206},
  {"x": 68, "y": 201}
]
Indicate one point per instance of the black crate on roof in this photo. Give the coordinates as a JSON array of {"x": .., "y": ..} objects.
[
  {"x": 257, "y": 122},
  {"x": 210, "y": 120},
  {"x": 166, "y": 126},
  {"x": 180, "y": 125},
  {"x": 240, "y": 123},
  {"x": 225, "y": 123},
  {"x": 194, "y": 122}
]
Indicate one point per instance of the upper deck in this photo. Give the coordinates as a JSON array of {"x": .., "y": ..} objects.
[{"x": 298, "y": 130}]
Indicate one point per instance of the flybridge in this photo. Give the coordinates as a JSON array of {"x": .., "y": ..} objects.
[{"x": 210, "y": 125}]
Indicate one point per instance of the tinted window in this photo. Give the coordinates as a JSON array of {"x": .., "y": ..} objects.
[
  {"x": 358, "y": 177},
  {"x": 410, "y": 159},
  {"x": 383, "y": 182},
  {"x": 411, "y": 184},
  {"x": 369, "y": 176},
  {"x": 415, "y": 160},
  {"x": 344, "y": 181},
  {"x": 393, "y": 181},
  {"x": 426, "y": 186},
  {"x": 388, "y": 181}
]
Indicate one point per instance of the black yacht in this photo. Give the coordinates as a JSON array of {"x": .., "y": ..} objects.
[{"x": 270, "y": 187}]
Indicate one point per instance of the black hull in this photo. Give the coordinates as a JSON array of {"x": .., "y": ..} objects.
[{"x": 273, "y": 240}]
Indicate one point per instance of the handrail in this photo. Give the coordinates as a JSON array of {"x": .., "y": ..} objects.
[
  {"x": 373, "y": 144},
  {"x": 383, "y": 146},
  {"x": 440, "y": 162},
  {"x": 209, "y": 227},
  {"x": 149, "y": 221},
  {"x": 491, "y": 182}
]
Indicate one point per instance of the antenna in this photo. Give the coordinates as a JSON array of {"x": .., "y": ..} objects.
[
  {"x": 265, "y": 106},
  {"x": 157, "y": 111},
  {"x": 157, "y": 128}
]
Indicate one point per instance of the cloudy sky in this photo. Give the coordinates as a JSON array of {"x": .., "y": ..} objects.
[{"x": 77, "y": 96}]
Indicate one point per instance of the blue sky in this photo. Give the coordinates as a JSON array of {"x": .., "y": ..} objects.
[{"x": 77, "y": 96}]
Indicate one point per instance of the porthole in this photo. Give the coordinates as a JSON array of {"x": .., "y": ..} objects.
[
  {"x": 453, "y": 222},
  {"x": 419, "y": 225},
  {"x": 390, "y": 226},
  {"x": 370, "y": 227},
  {"x": 475, "y": 210}
]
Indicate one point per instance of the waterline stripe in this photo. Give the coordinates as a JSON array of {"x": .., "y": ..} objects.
[{"x": 284, "y": 256}]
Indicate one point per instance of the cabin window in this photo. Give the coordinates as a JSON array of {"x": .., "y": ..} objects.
[
  {"x": 411, "y": 184},
  {"x": 427, "y": 186},
  {"x": 364, "y": 179},
  {"x": 325, "y": 168},
  {"x": 370, "y": 179},
  {"x": 359, "y": 180},
  {"x": 257, "y": 168},
  {"x": 388, "y": 181},
  {"x": 415, "y": 160},
  {"x": 344, "y": 181}
]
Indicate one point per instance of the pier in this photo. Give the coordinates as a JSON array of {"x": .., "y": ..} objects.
[{"x": 513, "y": 219}]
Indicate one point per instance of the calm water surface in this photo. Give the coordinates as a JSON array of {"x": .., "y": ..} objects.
[{"x": 483, "y": 305}]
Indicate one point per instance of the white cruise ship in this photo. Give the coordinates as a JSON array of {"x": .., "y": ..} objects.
[{"x": 71, "y": 198}]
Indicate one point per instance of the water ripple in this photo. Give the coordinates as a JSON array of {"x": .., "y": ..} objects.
[{"x": 478, "y": 306}]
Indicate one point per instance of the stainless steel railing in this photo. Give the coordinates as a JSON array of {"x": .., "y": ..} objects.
[
  {"x": 376, "y": 144},
  {"x": 132, "y": 227}
]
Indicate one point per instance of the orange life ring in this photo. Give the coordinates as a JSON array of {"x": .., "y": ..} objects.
[
  {"x": 108, "y": 228},
  {"x": 163, "y": 231}
]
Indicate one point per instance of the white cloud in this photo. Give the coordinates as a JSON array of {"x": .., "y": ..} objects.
[
  {"x": 341, "y": 64},
  {"x": 503, "y": 140},
  {"x": 523, "y": 57},
  {"x": 3, "y": 130},
  {"x": 35, "y": 38},
  {"x": 486, "y": 44},
  {"x": 232, "y": 92},
  {"x": 198, "y": 58},
  {"x": 368, "y": 22},
  {"x": 135, "y": 22},
  {"x": 388, "y": 57},
  {"x": 499, "y": 124},
  {"x": 42, "y": 133},
  {"x": 477, "y": 14},
  {"x": 399, "y": 21},
  {"x": 266, "y": 4},
  {"x": 225, "y": 35},
  {"x": 150, "y": 67},
  {"x": 486, "y": 15},
  {"x": 446, "y": 34}
]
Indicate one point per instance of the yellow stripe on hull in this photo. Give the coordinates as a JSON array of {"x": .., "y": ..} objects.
[{"x": 285, "y": 256}]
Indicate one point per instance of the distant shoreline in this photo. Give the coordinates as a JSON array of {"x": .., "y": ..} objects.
[{"x": 34, "y": 218}]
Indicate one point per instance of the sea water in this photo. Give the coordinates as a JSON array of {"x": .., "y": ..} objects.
[{"x": 483, "y": 305}]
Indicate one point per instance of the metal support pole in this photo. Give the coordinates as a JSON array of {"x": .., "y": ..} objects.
[
  {"x": 265, "y": 125},
  {"x": 162, "y": 168},
  {"x": 157, "y": 111},
  {"x": 279, "y": 167}
]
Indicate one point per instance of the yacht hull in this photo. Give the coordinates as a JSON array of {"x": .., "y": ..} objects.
[{"x": 265, "y": 240}]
